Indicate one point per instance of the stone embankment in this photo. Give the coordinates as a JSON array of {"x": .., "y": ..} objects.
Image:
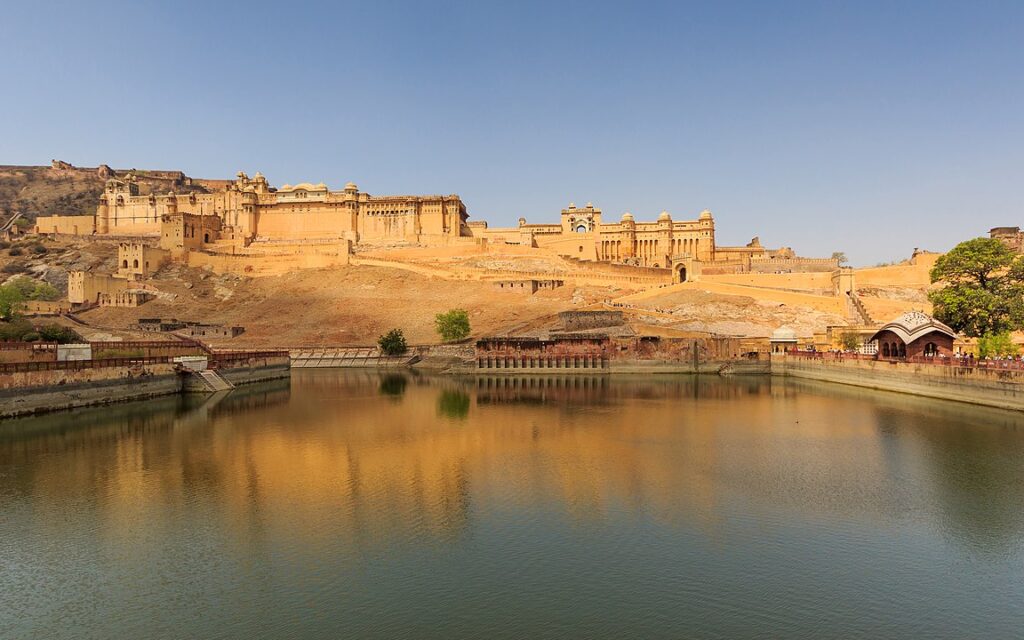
[
  {"x": 990, "y": 383},
  {"x": 37, "y": 387}
]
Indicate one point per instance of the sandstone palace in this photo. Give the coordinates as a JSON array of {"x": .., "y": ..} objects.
[{"x": 247, "y": 216}]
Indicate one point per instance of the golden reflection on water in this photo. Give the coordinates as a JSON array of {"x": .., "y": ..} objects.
[{"x": 369, "y": 459}]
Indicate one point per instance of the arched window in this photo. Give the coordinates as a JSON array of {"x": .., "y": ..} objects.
[
  {"x": 206, "y": 237},
  {"x": 124, "y": 264},
  {"x": 885, "y": 349},
  {"x": 903, "y": 350},
  {"x": 135, "y": 264},
  {"x": 931, "y": 349},
  {"x": 581, "y": 229}
]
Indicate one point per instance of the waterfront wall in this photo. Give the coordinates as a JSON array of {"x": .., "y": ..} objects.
[
  {"x": 29, "y": 392},
  {"x": 259, "y": 369},
  {"x": 992, "y": 387}
]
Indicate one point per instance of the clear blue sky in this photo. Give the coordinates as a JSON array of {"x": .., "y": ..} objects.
[{"x": 865, "y": 127}]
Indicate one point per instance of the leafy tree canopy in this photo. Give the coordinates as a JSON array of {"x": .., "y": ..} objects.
[
  {"x": 982, "y": 288},
  {"x": 11, "y": 301},
  {"x": 982, "y": 262},
  {"x": 452, "y": 325}
]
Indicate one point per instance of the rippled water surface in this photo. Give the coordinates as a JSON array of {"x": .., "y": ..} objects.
[{"x": 399, "y": 506}]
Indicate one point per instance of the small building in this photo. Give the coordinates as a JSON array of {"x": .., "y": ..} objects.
[
  {"x": 914, "y": 334},
  {"x": 782, "y": 340},
  {"x": 198, "y": 330},
  {"x": 138, "y": 261},
  {"x": 129, "y": 298},
  {"x": 161, "y": 324},
  {"x": 526, "y": 286}
]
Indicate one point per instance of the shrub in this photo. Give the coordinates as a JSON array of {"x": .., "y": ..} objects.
[
  {"x": 57, "y": 333},
  {"x": 393, "y": 343},
  {"x": 15, "y": 251},
  {"x": 31, "y": 336},
  {"x": 4, "y": 244},
  {"x": 15, "y": 330},
  {"x": 38, "y": 249},
  {"x": 15, "y": 267},
  {"x": 452, "y": 325}
]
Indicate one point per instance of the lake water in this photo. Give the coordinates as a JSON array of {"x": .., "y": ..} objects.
[{"x": 367, "y": 505}]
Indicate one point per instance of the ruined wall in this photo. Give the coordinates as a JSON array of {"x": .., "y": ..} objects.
[
  {"x": 45, "y": 307},
  {"x": 583, "y": 320}
]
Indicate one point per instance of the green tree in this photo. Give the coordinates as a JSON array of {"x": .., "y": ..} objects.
[
  {"x": 452, "y": 325},
  {"x": 982, "y": 284},
  {"x": 996, "y": 344},
  {"x": 850, "y": 340},
  {"x": 839, "y": 257},
  {"x": 11, "y": 301},
  {"x": 393, "y": 343},
  {"x": 32, "y": 289},
  {"x": 45, "y": 291}
]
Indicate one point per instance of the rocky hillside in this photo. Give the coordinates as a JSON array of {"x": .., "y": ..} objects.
[{"x": 62, "y": 189}]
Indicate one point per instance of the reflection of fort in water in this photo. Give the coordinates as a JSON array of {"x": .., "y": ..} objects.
[{"x": 369, "y": 457}]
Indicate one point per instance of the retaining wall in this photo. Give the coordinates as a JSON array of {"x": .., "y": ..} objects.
[
  {"x": 983, "y": 386},
  {"x": 38, "y": 391}
]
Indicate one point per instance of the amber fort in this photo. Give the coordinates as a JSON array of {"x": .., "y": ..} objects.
[{"x": 249, "y": 217}]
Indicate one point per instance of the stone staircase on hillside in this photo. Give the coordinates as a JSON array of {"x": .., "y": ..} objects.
[{"x": 856, "y": 311}]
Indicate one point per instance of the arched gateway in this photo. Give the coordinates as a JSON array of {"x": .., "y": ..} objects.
[{"x": 679, "y": 272}]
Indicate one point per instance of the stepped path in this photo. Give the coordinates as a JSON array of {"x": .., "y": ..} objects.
[{"x": 214, "y": 381}]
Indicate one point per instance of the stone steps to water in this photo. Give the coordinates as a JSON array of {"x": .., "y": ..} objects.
[{"x": 214, "y": 381}]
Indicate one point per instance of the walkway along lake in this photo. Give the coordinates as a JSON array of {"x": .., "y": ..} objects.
[{"x": 387, "y": 504}]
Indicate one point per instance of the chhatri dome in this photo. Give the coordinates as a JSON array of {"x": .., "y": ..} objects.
[
  {"x": 705, "y": 214},
  {"x": 627, "y": 217},
  {"x": 663, "y": 216},
  {"x": 351, "y": 186}
]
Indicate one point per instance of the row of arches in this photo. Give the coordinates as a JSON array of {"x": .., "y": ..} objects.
[
  {"x": 899, "y": 350},
  {"x": 646, "y": 250},
  {"x": 894, "y": 350}
]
